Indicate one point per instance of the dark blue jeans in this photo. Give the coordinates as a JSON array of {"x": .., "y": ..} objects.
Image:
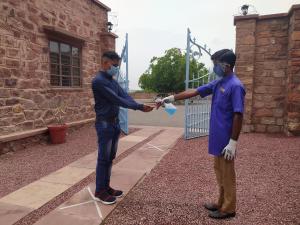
[{"x": 108, "y": 137}]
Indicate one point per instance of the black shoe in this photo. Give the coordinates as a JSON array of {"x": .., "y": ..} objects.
[
  {"x": 220, "y": 215},
  {"x": 104, "y": 197},
  {"x": 115, "y": 193},
  {"x": 211, "y": 206}
]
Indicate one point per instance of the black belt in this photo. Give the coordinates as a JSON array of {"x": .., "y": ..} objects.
[{"x": 108, "y": 120}]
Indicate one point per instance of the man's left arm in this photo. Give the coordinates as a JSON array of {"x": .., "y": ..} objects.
[
  {"x": 237, "y": 99},
  {"x": 237, "y": 125}
]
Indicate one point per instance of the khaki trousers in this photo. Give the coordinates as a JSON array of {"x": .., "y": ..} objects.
[{"x": 225, "y": 174}]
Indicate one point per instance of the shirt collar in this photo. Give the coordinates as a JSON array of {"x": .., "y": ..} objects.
[
  {"x": 228, "y": 77},
  {"x": 106, "y": 75}
]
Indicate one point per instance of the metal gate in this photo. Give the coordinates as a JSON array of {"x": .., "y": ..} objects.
[
  {"x": 122, "y": 79},
  {"x": 197, "y": 109}
]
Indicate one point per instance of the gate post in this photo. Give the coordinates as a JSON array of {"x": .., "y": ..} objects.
[{"x": 187, "y": 77}]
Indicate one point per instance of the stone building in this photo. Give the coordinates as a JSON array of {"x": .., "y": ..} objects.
[
  {"x": 49, "y": 52},
  {"x": 268, "y": 62}
]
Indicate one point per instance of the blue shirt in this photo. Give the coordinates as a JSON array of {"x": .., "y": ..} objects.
[
  {"x": 109, "y": 96},
  {"x": 227, "y": 98}
]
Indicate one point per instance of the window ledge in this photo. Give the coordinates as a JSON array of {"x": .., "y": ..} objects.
[
  {"x": 62, "y": 34},
  {"x": 66, "y": 89}
]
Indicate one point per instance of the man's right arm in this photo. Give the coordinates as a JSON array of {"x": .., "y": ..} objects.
[{"x": 203, "y": 91}]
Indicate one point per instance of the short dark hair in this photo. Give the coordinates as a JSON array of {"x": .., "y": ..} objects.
[
  {"x": 225, "y": 55},
  {"x": 111, "y": 55}
]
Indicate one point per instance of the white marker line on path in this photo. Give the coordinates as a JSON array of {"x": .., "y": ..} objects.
[
  {"x": 83, "y": 203},
  {"x": 70, "y": 206},
  {"x": 95, "y": 202},
  {"x": 153, "y": 146}
]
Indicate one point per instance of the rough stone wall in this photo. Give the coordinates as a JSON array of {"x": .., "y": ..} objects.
[
  {"x": 293, "y": 76},
  {"x": 27, "y": 100},
  {"x": 268, "y": 59},
  {"x": 269, "y": 88}
]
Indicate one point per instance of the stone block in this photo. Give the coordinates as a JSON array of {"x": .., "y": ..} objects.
[
  {"x": 10, "y": 83},
  {"x": 28, "y": 104},
  {"x": 260, "y": 128},
  {"x": 27, "y": 125},
  {"x": 17, "y": 109},
  {"x": 263, "y": 112},
  {"x": 2, "y": 52},
  {"x": 4, "y": 93},
  {"x": 279, "y": 73},
  {"x": 39, "y": 123},
  {"x": 12, "y": 101},
  {"x": 293, "y": 107},
  {"x": 279, "y": 122},
  {"x": 295, "y": 36},
  {"x": 278, "y": 112},
  {"x": 12, "y": 53},
  {"x": 274, "y": 129},
  {"x": 19, "y": 118},
  {"x": 12, "y": 63},
  {"x": 29, "y": 114},
  {"x": 295, "y": 53},
  {"x": 268, "y": 120}
]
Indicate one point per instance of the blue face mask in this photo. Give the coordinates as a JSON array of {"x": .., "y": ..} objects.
[
  {"x": 114, "y": 70},
  {"x": 218, "y": 69}
]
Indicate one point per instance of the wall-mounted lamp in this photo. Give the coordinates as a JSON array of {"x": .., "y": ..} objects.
[
  {"x": 244, "y": 9},
  {"x": 109, "y": 26}
]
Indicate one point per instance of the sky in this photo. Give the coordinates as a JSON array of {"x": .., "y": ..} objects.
[{"x": 153, "y": 26}]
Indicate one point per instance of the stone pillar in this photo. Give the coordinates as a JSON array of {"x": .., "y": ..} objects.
[
  {"x": 292, "y": 122},
  {"x": 107, "y": 40},
  {"x": 245, "y": 49}
]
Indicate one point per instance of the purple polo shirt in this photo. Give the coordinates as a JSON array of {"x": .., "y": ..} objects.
[{"x": 228, "y": 96}]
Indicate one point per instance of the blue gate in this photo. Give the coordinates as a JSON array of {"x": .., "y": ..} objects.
[
  {"x": 197, "y": 109},
  {"x": 122, "y": 79}
]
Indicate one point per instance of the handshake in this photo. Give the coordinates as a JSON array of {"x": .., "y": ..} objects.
[{"x": 165, "y": 102}]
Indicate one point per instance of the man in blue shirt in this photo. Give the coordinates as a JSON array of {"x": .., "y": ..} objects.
[
  {"x": 109, "y": 96},
  {"x": 225, "y": 125}
]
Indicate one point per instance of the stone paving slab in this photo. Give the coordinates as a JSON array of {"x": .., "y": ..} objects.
[
  {"x": 35, "y": 194},
  {"x": 10, "y": 214},
  {"x": 68, "y": 175},
  {"x": 82, "y": 208},
  {"x": 146, "y": 157}
]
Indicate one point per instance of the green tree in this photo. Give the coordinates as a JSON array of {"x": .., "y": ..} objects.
[{"x": 167, "y": 73}]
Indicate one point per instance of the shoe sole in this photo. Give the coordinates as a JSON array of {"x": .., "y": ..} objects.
[
  {"x": 119, "y": 196},
  {"x": 210, "y": 209},
  {"x": 222, "y": 218},
  {"x": 104, "y": 202}
]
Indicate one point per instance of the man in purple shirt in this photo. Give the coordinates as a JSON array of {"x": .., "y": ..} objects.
[{"x": 227, "y": 109}]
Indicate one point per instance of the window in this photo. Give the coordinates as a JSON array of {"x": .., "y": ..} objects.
[{"x": 64, "y": 65}]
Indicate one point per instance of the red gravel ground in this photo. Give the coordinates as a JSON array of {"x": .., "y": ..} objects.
[
  {"x": 268, "y": 185},
  {"x": 20, "y": 168}
]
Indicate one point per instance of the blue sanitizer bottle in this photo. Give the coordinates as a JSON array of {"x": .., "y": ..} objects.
[{"x": 170, "y": 108}]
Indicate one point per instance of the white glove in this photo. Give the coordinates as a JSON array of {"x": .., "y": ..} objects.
[
  {"x": 168, "y": 99},
  {"x": 229, "y": 150}
]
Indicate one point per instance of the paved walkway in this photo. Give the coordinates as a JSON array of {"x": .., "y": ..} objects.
[{"x": 138, "y": 153}]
